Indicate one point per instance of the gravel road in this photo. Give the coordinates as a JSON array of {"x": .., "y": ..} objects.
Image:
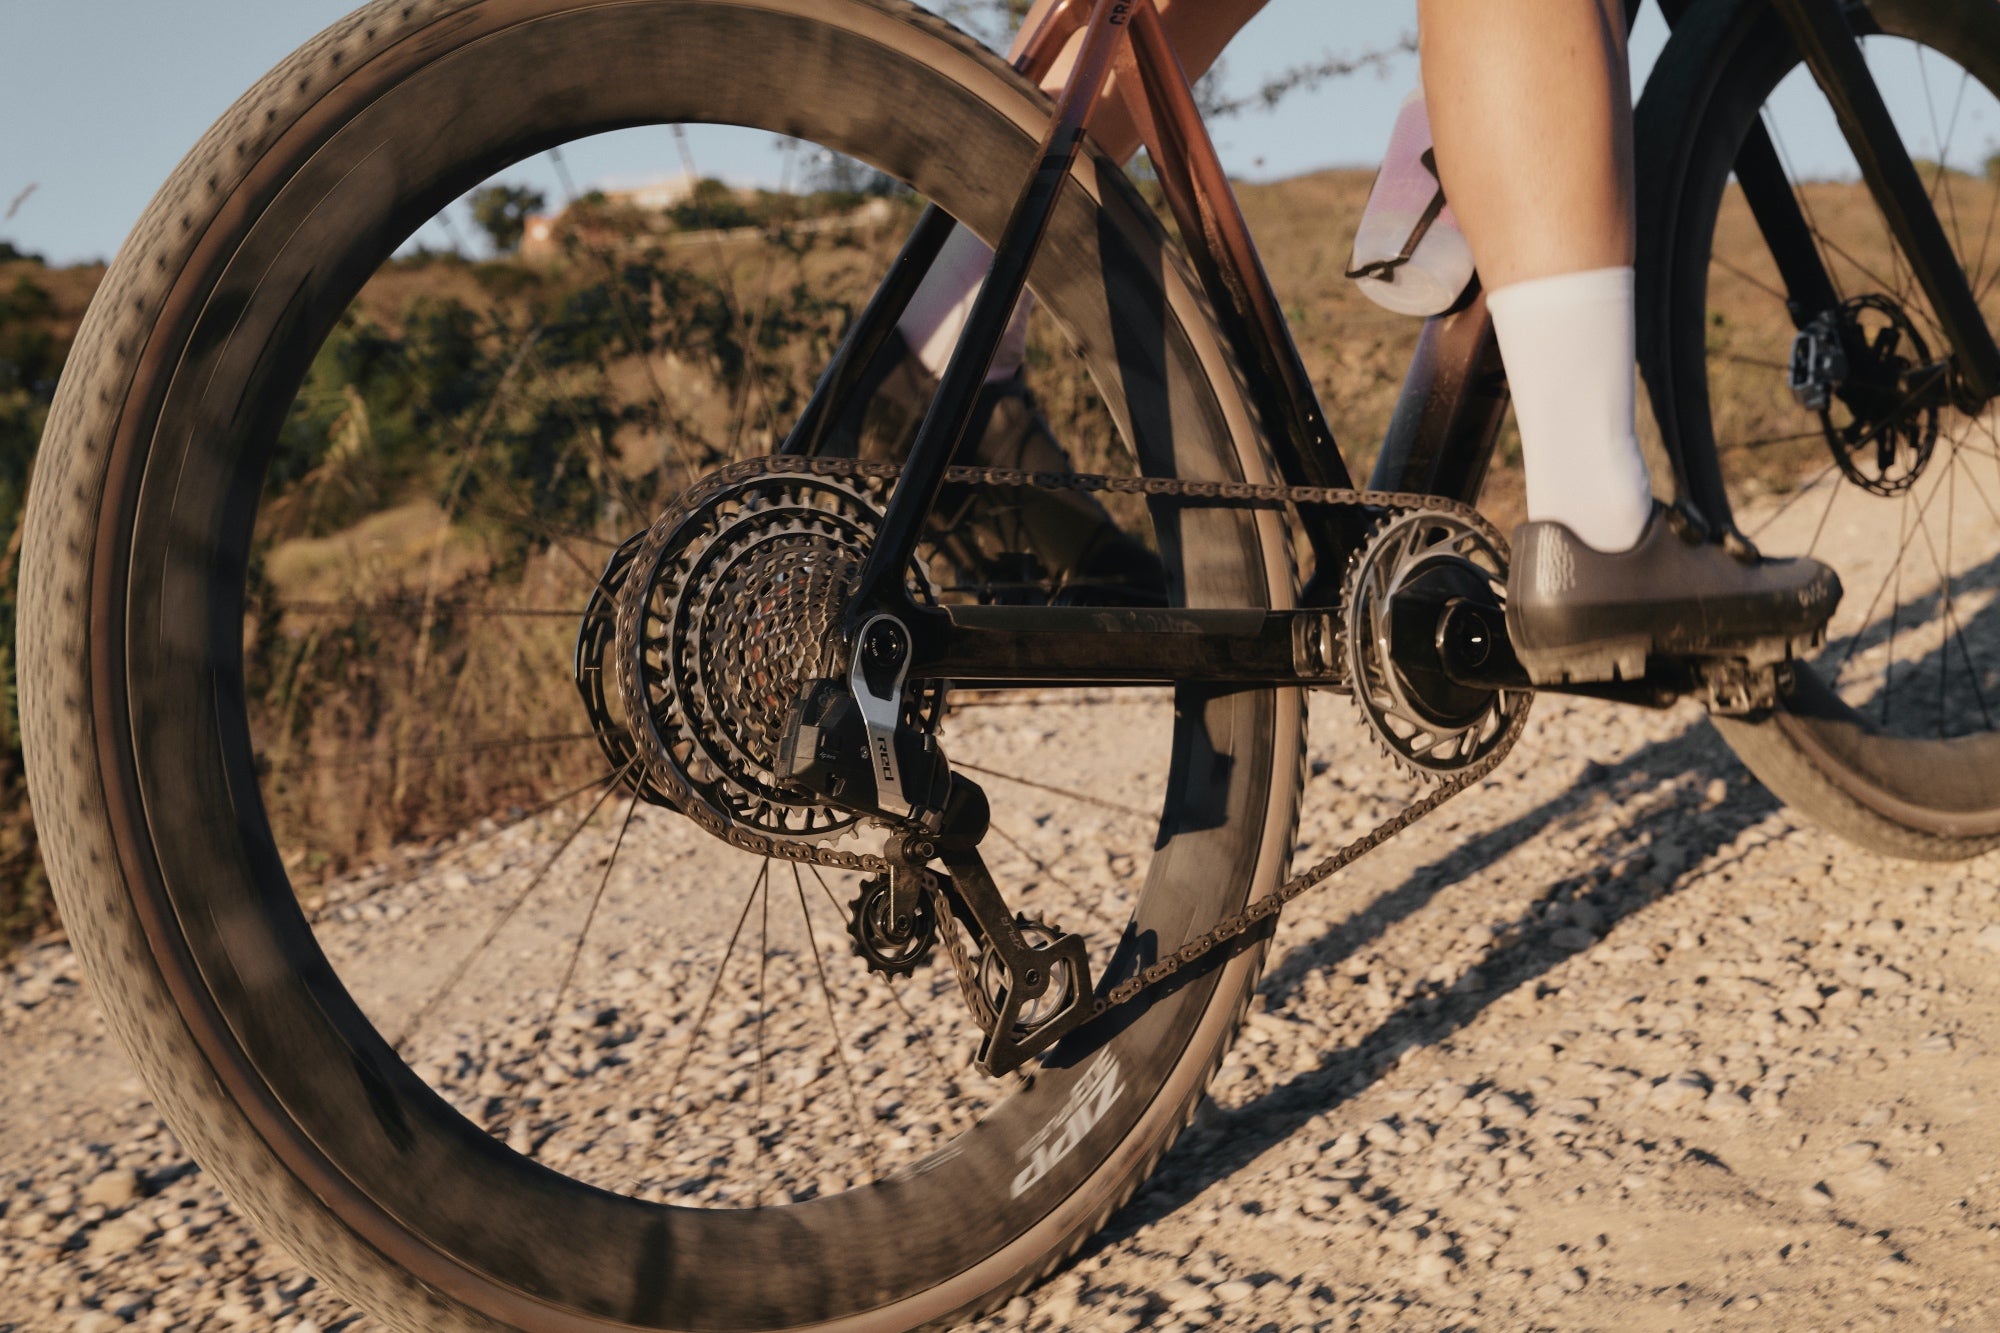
[{"x": 1613, "y": 1040}]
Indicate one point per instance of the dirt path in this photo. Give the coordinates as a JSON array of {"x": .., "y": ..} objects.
[{"x": 1614, "y": 1040}]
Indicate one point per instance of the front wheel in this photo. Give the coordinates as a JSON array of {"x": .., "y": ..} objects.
[
  {"x": 415, "y": 965},
  {"x": 1893, "y": 736}
]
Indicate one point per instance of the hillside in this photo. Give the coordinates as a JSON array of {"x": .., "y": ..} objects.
[{"x": 483, "y": 433}]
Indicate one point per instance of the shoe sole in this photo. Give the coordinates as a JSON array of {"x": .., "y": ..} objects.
[{"x": 1609, "y": 661}]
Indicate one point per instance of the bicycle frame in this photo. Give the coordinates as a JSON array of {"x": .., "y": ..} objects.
[{"x": 1447, "y": 419}]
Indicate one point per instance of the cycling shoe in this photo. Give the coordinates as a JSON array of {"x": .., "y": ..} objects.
[{"x": 1579, "y": 615}]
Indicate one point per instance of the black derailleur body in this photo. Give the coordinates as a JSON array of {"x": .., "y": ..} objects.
[{"x": 849, "y": 743}]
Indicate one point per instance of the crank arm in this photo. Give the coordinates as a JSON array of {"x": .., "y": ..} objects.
[{"x": 1030, "y": 970}]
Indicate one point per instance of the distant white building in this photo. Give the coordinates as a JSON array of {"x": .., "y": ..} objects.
[
  {"x": 541, "y": 237},
  {"x": 657, "y": 195}
]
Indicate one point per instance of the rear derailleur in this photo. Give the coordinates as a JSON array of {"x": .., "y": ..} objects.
[{"x": 849, "y": 742}]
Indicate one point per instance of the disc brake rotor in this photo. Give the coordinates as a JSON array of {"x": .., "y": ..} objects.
[{"x": 1882, "y": 421}]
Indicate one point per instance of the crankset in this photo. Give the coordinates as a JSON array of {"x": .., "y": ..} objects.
[{"x": 739, "y": 702}]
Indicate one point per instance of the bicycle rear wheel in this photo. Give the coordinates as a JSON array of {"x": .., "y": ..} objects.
[
  {"x": 444, "y": 1153},
  {"x": 1893, "y": 736}
]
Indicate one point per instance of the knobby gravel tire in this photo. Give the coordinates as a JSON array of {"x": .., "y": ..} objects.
[
  {"x": 1936, "y": 800},
  {"x": 140, "y": 758}
]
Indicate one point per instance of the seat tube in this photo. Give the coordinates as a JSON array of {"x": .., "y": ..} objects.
[
  {"x": 1454, "y": 398},
  {"x": 950, "y": 413}
]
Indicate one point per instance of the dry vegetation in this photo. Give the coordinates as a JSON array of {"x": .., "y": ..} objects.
[{"x": 476, "y": 438}]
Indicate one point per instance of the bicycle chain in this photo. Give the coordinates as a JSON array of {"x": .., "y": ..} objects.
[{"x": 1223, "y": 932}]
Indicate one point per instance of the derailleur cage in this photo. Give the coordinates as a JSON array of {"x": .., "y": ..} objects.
[{"x": 1026, "y": 994}]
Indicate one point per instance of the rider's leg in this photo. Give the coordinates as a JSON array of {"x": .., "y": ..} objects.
[
  {"x": 1531, "y": 109},
  {"x": 1199, "y": 29},
  {"x": 1531, "y": 113}
]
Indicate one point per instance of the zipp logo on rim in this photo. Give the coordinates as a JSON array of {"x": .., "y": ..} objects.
[{"x": 1095, "y": 1093}]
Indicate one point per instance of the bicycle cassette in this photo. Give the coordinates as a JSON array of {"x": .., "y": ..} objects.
[{"x": 725, "y": 615}]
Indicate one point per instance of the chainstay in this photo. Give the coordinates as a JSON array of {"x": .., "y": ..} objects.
[{"x": 1225, "y": 932}]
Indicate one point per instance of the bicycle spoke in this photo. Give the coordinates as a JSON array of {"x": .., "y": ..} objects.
[
  {"x": 1084, "y": 797},
  {"x": 404, "y": 608},
  {"x": 615, "y": 286},
  {"x": 458, "y": 848},
  {"x": 589, "y": 919},
  {"x": 1799, "y": 192},
  {"x": 1944, "y": 654},
  {"x": 922, "y": 1030},
  {"x": 715, "y": 986},
  {"x": 1091, "y": 906},
  {"x": 968, "y": 697},
  {"x": 488, "y": 746},
  {"x": 833, "y": 1022},
  {"x": 1943, "y": 144},
  {"x": 1820, "y": 528},
  {"x": 593, "y": 442},
  {"x": 549, "y": 532},
  {"x": 750, "y": 383},
  {"x": 1948, "y": 622},
  {"x": 469, "y": 450},
  {"x": 753, "y": 334},
  {"x": 1756, "y": 361},
  {"x": 1904, "y": 538},
  {"x": 763, "y": 1008},
  {"x": 1979, "y": 490},
  {"x": 1976, "y": 275},
  {"x": 485, "y": 941},
  {"x": 1765, "y": 442},
  {"x": 1765, "y": 287},
  {"x": 1793, "y": 499},
  {"x": 1895, "y": 615}
]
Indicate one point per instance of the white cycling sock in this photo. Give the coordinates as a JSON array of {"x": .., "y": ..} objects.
[
  {"x": 943, "y": 303},
  {"x": 1567, "y": 342}
]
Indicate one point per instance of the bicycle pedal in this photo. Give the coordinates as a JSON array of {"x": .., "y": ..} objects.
[{"x": 1738, "y": 687}]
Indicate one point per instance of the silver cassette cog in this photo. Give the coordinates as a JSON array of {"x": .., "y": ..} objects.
[
  {"x": 725, "y": 616},
  {"x": 1396, "y": 586}
]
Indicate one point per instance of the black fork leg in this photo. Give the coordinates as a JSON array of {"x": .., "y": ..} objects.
[{"x": 1831, "y": 51}]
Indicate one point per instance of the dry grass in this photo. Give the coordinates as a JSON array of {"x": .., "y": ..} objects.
[{"x": 381, "y": 683}]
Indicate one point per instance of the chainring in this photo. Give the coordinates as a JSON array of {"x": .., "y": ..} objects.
[
  {"x": 1412, "y": 565},
  {"x": 726, "y": 614}
]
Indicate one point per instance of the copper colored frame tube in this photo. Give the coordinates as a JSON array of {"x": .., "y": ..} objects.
[
  {"x": 950, "y": 412},
  {"x": 1198, "y": 191},
  {"x": 1045, "y": 45},
  {"x": 1454, "y": 395}
]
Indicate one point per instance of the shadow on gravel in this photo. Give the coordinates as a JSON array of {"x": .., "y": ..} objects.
[
  {"x": 1667, "y": 828},
  {"x": 1661, "y": 791}
]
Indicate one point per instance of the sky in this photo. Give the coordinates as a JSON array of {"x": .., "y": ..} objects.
[{"x": 102, "y": 97}]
